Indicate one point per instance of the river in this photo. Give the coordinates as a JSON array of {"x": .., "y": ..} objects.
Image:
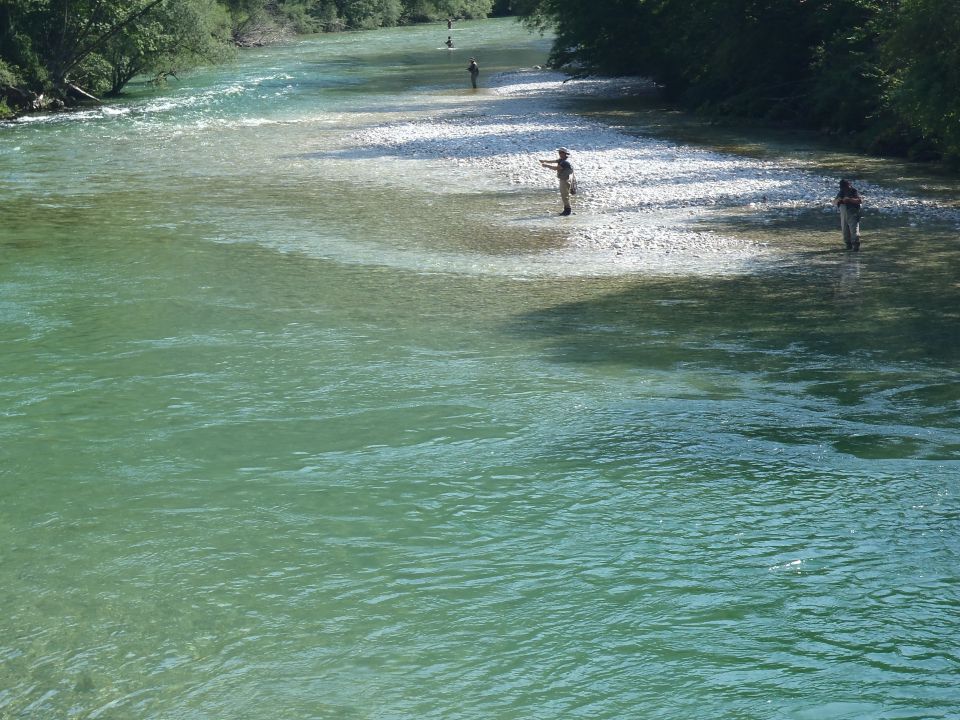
[{"x": 292, "y": 432}]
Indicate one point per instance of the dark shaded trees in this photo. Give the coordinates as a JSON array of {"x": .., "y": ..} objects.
[
  {"x": 886, "y": 71},
  {"x": 923, "y": 52}
]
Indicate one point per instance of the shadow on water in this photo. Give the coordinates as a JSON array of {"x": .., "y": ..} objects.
[
  {"x": 830, "y": 315},
  {"x": 834, "y": 340}
]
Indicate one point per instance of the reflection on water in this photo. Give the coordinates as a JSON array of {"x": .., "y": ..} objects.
[
  {"x": 285, "y": 437},
  {"x": 848, "y": 282}
]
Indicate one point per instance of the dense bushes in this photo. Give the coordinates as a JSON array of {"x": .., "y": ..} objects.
[{"x": 885, "y": 72}]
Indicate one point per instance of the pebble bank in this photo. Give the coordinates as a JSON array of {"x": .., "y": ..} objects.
[{"x": 639, "y": 195}]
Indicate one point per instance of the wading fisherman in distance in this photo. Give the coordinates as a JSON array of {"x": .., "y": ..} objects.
[{"x": 564, "y": 171}]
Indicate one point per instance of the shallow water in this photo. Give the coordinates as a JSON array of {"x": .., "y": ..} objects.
[{"x": 292, "y": 432}]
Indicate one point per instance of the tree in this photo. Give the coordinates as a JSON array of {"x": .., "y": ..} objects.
[
  {"x": 924, "y": 51},
  {"x": 884, "y": 72},
  {"x": 72, "y": 32},
  {"x": 77, "y": 47}
]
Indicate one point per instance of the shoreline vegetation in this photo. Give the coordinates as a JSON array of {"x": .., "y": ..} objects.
[{"x": 881, "y": 76}]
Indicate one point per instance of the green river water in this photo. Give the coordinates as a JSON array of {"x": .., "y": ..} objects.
[{"x": 283, "y": 437}]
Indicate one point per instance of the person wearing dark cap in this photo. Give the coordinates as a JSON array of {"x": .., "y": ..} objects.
[
  {"x": 474, "y": 71},
  {"x": 564, "y": 170},
  {"x": 849, "y": 202}
]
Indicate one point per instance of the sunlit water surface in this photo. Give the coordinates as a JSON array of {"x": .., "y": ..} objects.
[{"x": 289, "y": 432}]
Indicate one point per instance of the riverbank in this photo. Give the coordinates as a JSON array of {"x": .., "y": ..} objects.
[{"x": 639, "y": 195}]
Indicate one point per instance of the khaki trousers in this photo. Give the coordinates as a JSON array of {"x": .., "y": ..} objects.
[
  {"x": 565, "y": 191},
  {"x": 850, "y": 225}
]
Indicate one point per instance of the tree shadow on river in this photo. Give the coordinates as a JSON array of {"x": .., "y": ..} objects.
[
  {"x": 873, "y": 342},
  {"x": 832, "y": 312}
]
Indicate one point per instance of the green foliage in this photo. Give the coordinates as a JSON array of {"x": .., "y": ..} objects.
[
  {"x": 9, "y": 78},
  {"x": 367, "y": 14},
  {"x": 176, "y": 35},
  {"x": 17, "y": 53},
  {"x": 924, "y": 50},
  {"x": 100, "y": 45},
  {"x": 884, "y": 71},
  {"x": 257, "y": 23},
  {"x": 298, "y": 16},
  {"x": 335, "y": 15},
  {"x": 461, "y": 9},
  {"x": 8, "y": 75}
]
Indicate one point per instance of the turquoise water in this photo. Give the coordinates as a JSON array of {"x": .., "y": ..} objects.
[{"x": 283, "y": 436}]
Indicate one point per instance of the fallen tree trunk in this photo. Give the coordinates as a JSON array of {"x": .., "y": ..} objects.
[{"x": 83, "y": 93}]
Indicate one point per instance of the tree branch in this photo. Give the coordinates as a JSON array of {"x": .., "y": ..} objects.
[{"x": 100, "y": 41}]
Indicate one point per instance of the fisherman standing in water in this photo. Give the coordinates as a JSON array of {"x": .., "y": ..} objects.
[
  {"x": 474, "y": 71},
  {"x": 849, "y": 202},
  {"x": 564, "y": 170}
]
